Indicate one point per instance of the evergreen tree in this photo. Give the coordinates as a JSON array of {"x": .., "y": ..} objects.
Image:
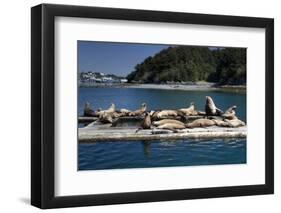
[{"x": 185, "y": 64}]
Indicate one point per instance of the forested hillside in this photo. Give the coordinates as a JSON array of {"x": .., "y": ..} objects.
[{"x": 185, "y": 64}]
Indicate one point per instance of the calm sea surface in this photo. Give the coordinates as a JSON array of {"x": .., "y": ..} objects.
[{"x": 126, "y": 154}]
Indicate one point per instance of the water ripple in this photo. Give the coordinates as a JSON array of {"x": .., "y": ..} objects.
[{"x": 116, "y": 155}]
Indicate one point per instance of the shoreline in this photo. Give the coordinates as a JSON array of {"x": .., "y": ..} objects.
[{"x": 187, "y": 87}]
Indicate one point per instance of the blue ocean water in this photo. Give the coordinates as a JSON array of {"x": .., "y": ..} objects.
[{"x": 126, "y": 154}]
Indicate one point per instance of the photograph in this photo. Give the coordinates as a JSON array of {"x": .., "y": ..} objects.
[
  {"x": 139, "y": 105},
  {"x": 146, "y": 105}
]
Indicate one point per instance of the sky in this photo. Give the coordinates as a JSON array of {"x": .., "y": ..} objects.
[{"x": 113, "y": 58}]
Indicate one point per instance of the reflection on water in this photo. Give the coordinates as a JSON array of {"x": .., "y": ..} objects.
[
  {"x": 147, "y": 148},
  {"x": 144, "y": 154},
  {"x": 117, "y": 155}
]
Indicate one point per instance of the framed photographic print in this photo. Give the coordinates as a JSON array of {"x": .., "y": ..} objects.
[{"x": 140, "y": 106}]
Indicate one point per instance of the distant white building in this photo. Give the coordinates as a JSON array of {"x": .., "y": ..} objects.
[
  {"x": 107, "y": 79},
  {"x": 123, "y": 80},
  {"x": 97, "y": 77},
  {"x": 93, "y": 78}
]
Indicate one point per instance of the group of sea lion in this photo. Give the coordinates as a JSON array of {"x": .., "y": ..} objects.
[
  {"x": 172, "y": 119},
  {"x": 108, "y": 115}
]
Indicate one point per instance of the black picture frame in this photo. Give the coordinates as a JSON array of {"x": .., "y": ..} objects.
[{"x": 43, "y": 102}]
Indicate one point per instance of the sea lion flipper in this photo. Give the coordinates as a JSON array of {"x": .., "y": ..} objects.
[
  {"x": 138, "y": 129},
  {"x": 219, "y": 111},
  {"x": 171, "y": 129}
]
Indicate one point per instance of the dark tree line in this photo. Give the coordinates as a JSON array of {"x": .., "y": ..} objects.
[{"x": 185, "y": 64}]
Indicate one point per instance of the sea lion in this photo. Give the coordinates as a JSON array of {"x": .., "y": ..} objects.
[
  {"x": 105, "y": 117},
  {"x": 111, "y": 109},
  {"x": 210, "y": 107},
  {"x": 190, "y": 110},
  {"x": 171, "y": 126},
  {"x": 165, "y": 114},
  {"x": 140, "y": 111},
  {"x": 201, "y": 113},
  {"x": 221, "y": 123},
  {"x": 88, "y": 111},
  {"x": 126, "y": 111},
  {"x": 146, "y": 124},
  {"x": 118, "y": 114},
  {"x": 235, "y": 122},
  {"x": 165, "y": 121},
  {"x": 230, "y": 113},
  {"x": 202, "y": 122},
  {"x": 152, "y": 112}
]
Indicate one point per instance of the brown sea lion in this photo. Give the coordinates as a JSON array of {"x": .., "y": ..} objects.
[
  {"x": 111, "y": 109},
  {"x": 118, "y": 114},
  {"x": 146, "y": 124},
  {"x": 210, "y": 107},
  {"x": 230, "y": 113},
  {"x": 165, "y": 121},
  {"x": 88, "y": 111},
  {"x": 221, "y": 123},
  {"x": 235, "y": 122},
  {"x": 190, "y": 110},
  {"x": 171, "y": 126},
  {"x": 140, "y": 111},
  {"x": 165, "y": 114},
  {"x": 154, "y": 114},
  {"x": 201, "y": 113},
  {"x": 126, "y": 111},
  {"x": 202, "y": 122},
  {"x": 105, "y": 117}
]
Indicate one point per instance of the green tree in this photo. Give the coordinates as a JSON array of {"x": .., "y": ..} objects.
[{"x": 187, "y": 63}]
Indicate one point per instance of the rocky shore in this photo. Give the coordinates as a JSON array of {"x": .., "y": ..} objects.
[{"x": 172, "y": 86}]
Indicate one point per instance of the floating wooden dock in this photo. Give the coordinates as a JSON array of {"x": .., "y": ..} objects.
[
  {"x": 124, "y": 129},
  {"x": 102, "y": 133},
  {"x": 87, "y": 119}
]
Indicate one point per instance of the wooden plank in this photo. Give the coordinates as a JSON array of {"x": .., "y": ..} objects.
[
  {"x": 105, "y": 133},
  {"x": 87, "y": 119}
]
